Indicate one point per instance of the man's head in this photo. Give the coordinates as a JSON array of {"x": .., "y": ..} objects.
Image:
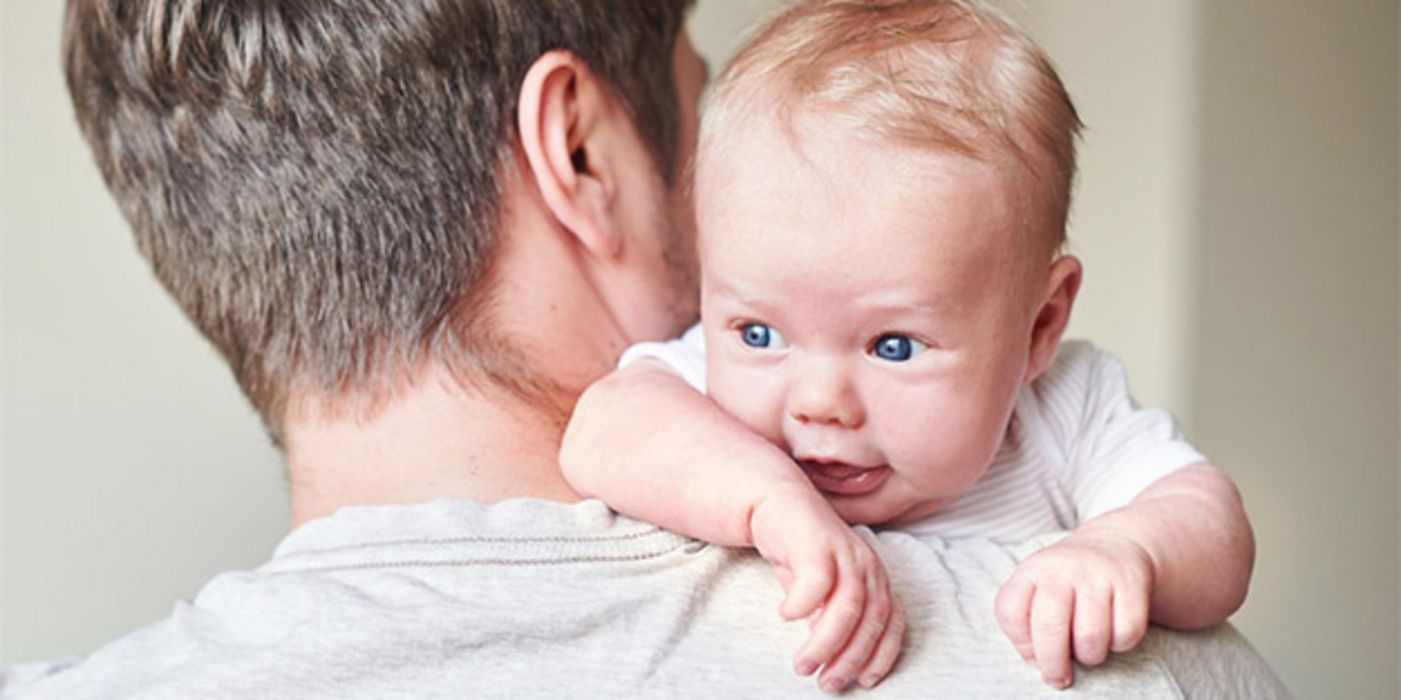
[
  {"x": 881, "y": 194},
  {"x": 319, "y": 183}
]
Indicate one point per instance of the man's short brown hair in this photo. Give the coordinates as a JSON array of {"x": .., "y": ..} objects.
[{"x": 316, "y": 182}]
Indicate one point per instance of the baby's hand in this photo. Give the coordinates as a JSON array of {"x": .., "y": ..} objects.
[
  {"x": 832, "y": 577},
  {"x": 1088, "y": 593}
]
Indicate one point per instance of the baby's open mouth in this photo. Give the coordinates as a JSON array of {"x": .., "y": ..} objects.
[{"x": 842, "y": 479}]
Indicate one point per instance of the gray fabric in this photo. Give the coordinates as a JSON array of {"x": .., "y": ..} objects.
[{"x": 526, "y": 598}]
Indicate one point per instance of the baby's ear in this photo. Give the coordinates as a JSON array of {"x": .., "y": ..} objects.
[{"x": 1061, "y": 286}]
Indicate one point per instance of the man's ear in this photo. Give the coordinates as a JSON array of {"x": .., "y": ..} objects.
[
  {"x": 563, "y": 118},
  {"x": 1051, "y": 319}
]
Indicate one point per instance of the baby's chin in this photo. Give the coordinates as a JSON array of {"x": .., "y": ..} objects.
[{"x": 883, "y": 510}]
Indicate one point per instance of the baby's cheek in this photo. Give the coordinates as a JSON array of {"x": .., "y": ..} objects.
[
  {"x": 929, "y": 444},
  {"x": 911, "y": 425},
  {"x": 750, "y": 397}
]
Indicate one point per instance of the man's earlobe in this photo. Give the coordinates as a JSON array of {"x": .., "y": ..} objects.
[
  {"x": 562, "y": 121},
  {"x": 1062, "y": 285}
]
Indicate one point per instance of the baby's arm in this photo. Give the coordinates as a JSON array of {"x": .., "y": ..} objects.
[
  {"x": 1193, "y": 526},
  {"x": 1179, "y": 554},
  {"x": 652, "y": 447}
]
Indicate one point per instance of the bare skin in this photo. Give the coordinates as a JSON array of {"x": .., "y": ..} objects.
[{"x": 583, "y": 246}]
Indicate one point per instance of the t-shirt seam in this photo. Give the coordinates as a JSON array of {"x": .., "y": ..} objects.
[
  {"x": 466, "y": 562},
  {"x": 436, "y": 541}
]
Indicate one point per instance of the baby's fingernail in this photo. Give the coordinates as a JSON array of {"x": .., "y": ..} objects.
[
  {"x": 835, "y": 685},
  {"x": 805, "y": 668},
  {"x": 1058, "y": 683},
  {"x": 869, "y": 680}
]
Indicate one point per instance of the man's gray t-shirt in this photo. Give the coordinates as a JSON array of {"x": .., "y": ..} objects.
[{"x": 528, "y": 598}]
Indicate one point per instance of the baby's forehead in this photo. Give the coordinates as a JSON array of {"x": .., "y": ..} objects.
[
  {"x": 781, "y": 194},
  {"x": 807, "y": 154},
  {"x": 806, "y": 134}
]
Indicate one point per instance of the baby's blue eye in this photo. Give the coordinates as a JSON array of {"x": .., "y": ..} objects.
[
  {"x": 759, "y": 335},
  {"x": 897, "y": 348}
]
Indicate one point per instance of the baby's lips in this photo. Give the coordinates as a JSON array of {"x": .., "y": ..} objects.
[
  {"x": 856, "y": 459},
  {"x": 844, "y": 479},
  {"x": 833, "y": 470}
]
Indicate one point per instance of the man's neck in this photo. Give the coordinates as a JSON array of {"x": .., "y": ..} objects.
[
  {"x": 557, "y": 308},
  {"x": 432, "y": 439}
]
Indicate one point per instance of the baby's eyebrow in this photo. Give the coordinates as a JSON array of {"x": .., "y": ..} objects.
[
  {"x": 939, "y": 305},
  {"x": 747, "y": 298},
  {"x": 755, "y": 303},
  {"x": 722, "y": 285}
]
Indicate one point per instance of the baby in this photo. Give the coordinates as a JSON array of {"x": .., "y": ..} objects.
[{"x": 882, "y": 190}]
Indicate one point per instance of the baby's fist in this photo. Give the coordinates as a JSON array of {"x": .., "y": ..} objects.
[{"x": 1082, "y": 597}]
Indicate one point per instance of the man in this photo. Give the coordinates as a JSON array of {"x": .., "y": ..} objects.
[{"x": 416, "y": 230}]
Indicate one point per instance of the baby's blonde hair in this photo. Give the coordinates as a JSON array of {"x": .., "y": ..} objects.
[{"x": 947, "y": 75}]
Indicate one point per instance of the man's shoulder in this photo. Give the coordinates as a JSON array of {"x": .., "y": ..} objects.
[
  {"x": 537, "y": 600},
  {"x": 948, "y": 588}
]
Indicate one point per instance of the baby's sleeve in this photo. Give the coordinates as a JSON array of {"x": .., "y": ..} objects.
[
  {"x": 1110, "y": 449},
  {"x": 684, "y": 355}
]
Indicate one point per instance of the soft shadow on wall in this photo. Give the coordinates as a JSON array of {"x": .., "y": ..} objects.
[
  {"x": 1237, "y": 213},
  {"x": 1295, "y": 324}
]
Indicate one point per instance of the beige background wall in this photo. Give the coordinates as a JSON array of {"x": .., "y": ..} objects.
[
  {"x": 1237, "y": 213},
  {"x": 1241, "y": 164},
  {"x": 130, "y": 468},
  {"x": 1294, "y": 373}
]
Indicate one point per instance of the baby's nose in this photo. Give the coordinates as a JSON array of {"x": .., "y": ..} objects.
[{"x": 826, "y": 397}]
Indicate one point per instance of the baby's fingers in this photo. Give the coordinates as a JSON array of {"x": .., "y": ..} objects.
[
  {"x": 870, "y": 630},
  {"x": 1130, "y": 618},
  {"x": 1014, "y": 613},
  {"x": 1051, "y": 613},
  {"x": 1093, "y": 625},
  {"x": 887, "y": 651},
  {"x": 841, "y": 614},
  {"x": 810, "y": 584}
]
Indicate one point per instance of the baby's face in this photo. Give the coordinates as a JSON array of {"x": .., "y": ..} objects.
[{"x": 868, "y": 309}]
